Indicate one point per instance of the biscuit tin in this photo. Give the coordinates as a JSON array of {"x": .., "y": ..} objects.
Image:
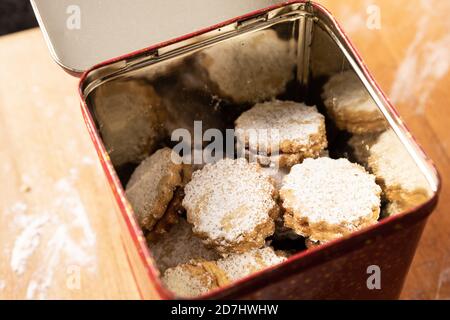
[{"x": 368, "y": 264}]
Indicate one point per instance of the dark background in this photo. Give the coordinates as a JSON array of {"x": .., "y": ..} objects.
[{"x": 16, "y": 15}]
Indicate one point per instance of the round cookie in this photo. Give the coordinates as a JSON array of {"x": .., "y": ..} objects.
[
  {"x": 397, "y": 173},
  {"x": 130, "y": 117},
  {"x": 190, "y": 280},
  {"x": 290, "y": 127},
  {"x": 231, "y": 205},
  {"x": 250, "y": 68},
  {"x": 198, "y": 276},
  {"x": 241, "y": 265},
  {"x": 325, "y": 199},
  {"x": 178, "y": 246},
  {"x": 152, "y": 186},
  {"x": 350, "y": 105}
]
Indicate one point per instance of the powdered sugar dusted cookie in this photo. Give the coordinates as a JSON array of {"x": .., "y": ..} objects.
[
  {"x": 231, "y": 205},
  {"x": 326, "y": 198},
  {"x": 397, "y": 173},
  {"x": 130, "y": 117},
  {"x": 198, "y": 276},
  {"x": 238, "y": 266},
  {"x": 351, "y": 106},
  {"x": 191, "y": 279},
  {"x": 179, "y": 246},
  {"x": 280, "y": 134},
  {"x": 250, "y": 68},
  {"x": 295, "y": 130},
  {"x": 152, "y": 186}
]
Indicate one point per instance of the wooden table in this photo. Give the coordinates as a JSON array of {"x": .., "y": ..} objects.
[{"x": 59, "y": 232}]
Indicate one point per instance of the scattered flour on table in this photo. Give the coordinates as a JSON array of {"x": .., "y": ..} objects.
[
  {"x": 2, "y": 285},
  {"x": 86, "y": 160},
  {"x": 425, "y": 63},
  {"x": 26, "y": 183},
  {"x": 355, "y": 21},
  {"x": 74, "y": 173},
  {"x": 18, "y": 208},
  {"x": 443, "y": 284},
  {"x": 26, "y": 243},
  {"x": 69, "y": 200},
  {"x": 60, "y": 229},
  {"x": 63, "y": 246},
  {"x": 31, "y": 290}
]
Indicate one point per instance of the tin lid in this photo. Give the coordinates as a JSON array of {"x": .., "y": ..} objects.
[{"x": 82, "y": 33}]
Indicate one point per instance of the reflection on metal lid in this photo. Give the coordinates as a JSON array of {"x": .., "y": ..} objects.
[{"x": 82, "y": 33}]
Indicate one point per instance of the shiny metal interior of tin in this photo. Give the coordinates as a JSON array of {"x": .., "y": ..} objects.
[{"x": 216, "y": 76}]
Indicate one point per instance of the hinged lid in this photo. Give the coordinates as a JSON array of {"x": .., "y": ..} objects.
[{"x": 82, "y": 33}]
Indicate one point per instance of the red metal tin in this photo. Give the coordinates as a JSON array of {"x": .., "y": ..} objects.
[{"x": 337, "y": 270}]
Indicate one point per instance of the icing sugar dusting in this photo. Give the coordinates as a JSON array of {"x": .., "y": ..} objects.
[
  {"x": 425, "y": 63},
  {"x": 352, "y": 22},
  {"x": 283, "y": 121},
  {"x": 238, "y": 266},
  {"x": 335, "y": 191},
  {"x": 26, "y": 243},
  {"x": 443, "y": 284},
  {"x": 69, "y": 199},
  {"x": 19, "y": 207},
  {"x": 2, "y": 285},
  {"x": 59, "y": 230},
  {"x": 71, "y": 244},
  {"x": 221, "y": 206},
  {"x": 86, "y": 160}
]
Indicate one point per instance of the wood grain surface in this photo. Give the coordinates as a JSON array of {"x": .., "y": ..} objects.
[{"x": 59, "y": 234}]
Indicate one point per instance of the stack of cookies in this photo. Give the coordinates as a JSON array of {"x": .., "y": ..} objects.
[
  {"x": 352, "y": 109},
  {"x": 155, "y": 191},
  {"x": 221, "y": 223},
  {"x": 281, "y": 133},
  {"x": 199, "y": 277},
  {"x": 232, "y": 208},
  {"x": 404, "y": 186},
  {"x": 247, "y": 70},
  {"x": 325, "y": 199},
  {"x": 230, "y": 211},
  {"x": 231, "y": 205},
  {"x": 349, "y": 104}
]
